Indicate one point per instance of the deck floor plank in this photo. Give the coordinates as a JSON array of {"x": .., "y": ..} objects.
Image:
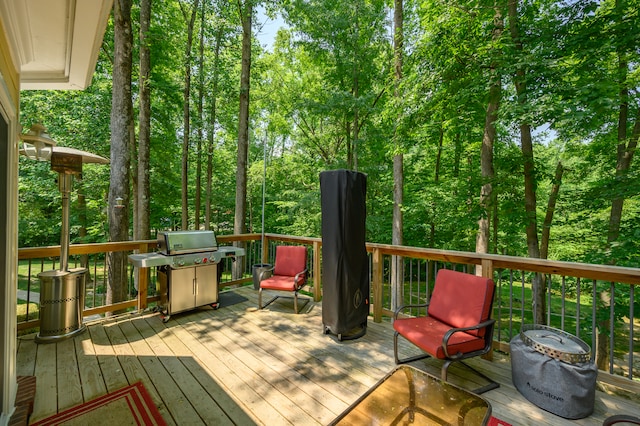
[
  {"x": 240, "y": 365},
  {"x": 226, "y": 371},
  {"x": 237, "y": 359},
  {"x": 186, "y": 372},
  {"x": 316, "y": 360},
  {"x": 26, "y": 359},
  {"x": 181, "y": 379},
  {"x": 239, "y": 401},
  {"x": 68, "y": 375},
  {"x": 46, "y": 386},
  {"x": 93, "y": 382},
  {"x": 292, "y": 364},
  {"x": 160, "y": 379},
  {"x": 112, "y": 371},
  {"x": 131, "y": 366},
  {"x": 344, "y": 364},
  {"x": 294, "y": 398}
]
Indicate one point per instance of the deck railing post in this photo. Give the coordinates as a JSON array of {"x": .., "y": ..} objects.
[
  {"x": 143, "y": 280},
  {"x": 487, "y": 272},
  {"x": 487, "y": 268},
  {"x": 317, "y": 291},
  {"x": 377, "y": 285}
]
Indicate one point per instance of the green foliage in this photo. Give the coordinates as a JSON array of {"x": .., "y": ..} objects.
[{"x": 330, "y": 72}]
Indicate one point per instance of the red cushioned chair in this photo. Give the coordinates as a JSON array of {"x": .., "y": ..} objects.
[
  {"x": 289, "y": 274},
  {"x": 457, "y": 325}
]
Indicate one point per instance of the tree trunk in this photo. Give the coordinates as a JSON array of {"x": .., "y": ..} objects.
[
  {"x": 355, "y": 90},
  {"x": 200, "y": 120},
  {"x": 212, "y": 129},
  {"x": 144, "y": 125},
  {"x": 457, "y": 155},
  {"x": 436, "y": 178},
  {"x": 133, "y": 155},
  {"x": 486, "y": 151},
  {"x": 486, "y": 167},
  {"x": 397, "y": 263},
  {"x": 625, "y": 150},
  {"x": 530, "y": 202},
  {"x": 186, "y": 113},
  {"x": 239, "y": 225},
  {"x": 551, "y": 208},
  {"x": 121, "y": 116}
]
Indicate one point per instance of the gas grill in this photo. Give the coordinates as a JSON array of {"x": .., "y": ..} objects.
[{"x": 188, "y": 266}]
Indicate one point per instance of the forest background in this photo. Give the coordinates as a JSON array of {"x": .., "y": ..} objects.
[{"x": 494, "y": 126}]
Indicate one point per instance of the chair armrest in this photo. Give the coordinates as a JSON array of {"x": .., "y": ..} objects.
[
  {"x": 297, "y": 277},
  {"x": 262, "y": 273},
  {"x": 621, "y": 418},
  {"x": 448, "y": 334},
  {"x": 403, "y": 307}
]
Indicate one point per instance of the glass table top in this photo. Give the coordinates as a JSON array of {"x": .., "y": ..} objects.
[{"x": 410, "y": 396}]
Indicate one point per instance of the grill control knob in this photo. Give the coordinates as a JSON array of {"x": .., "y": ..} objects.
[
  {"x": 197, "y": 261},
  {"x": 205, "y": 260}
]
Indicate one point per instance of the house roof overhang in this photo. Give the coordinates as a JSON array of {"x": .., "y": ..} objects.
[{"x": 55, "y": 43}]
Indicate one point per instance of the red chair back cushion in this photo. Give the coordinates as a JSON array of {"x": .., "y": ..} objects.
[
  {"x": 290, "y": 260},
  {"x": 461, "y": 300}
]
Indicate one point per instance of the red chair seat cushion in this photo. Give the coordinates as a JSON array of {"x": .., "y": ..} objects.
[
  {"x": 279, "y": 282},
  {"x": 427, "y": 333}
]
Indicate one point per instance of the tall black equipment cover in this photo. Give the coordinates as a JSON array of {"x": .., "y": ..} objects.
[{"x": 345, "y": 264}]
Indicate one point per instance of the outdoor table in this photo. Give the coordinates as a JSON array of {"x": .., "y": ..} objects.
[{"x": 408, "y": 395}]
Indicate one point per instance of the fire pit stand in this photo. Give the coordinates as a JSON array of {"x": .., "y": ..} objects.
[{"x": 553, "y": 370}]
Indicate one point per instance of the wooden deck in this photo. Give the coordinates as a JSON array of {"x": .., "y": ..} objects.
[{"x": 238, "y": 365}]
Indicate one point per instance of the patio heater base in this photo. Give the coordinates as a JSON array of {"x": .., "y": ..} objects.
[{"x": 61, "y": 304}]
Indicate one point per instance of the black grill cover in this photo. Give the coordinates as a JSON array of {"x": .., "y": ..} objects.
[{"x": 345, "y": 264}]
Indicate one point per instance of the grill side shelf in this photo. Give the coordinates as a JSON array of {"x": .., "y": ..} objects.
[{"x": 148, "y": 260}]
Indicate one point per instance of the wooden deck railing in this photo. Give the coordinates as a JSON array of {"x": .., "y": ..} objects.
[{"x": 571, "y": 288}]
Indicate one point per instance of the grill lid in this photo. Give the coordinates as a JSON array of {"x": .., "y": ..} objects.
[
  {"x": 555, "y": 343},
  {"x": 180, "y": 242}
]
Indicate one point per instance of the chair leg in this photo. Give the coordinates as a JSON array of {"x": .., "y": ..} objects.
[
  {"x": 482, "y": 389},
  {"x": 444, "y": 370},
  {"x": 404, "y": 361},
  {"x": 295, "y": 302},
  {"x": 260, "y": 298}
]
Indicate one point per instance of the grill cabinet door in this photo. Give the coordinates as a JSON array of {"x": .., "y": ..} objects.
[
  {"x": 182, "y": 289},
  {"x": 206, "y": 285}
]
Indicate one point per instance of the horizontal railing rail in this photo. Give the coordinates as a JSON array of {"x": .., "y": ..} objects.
[{"x": 580, "y": 298}]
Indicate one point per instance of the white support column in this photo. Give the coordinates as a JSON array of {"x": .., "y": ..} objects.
[{"x": 8, "y": 250}]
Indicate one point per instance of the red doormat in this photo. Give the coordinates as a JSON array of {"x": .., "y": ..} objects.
[
  {"x": 131, "y": 405},
  {"x": 497, "y": 422}
]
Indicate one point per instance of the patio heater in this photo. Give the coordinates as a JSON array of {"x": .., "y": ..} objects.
[{"x": 61, "y": 290}]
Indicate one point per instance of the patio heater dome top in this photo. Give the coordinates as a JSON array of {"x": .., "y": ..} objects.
[
  {"x": 87, "y": 157},
  {"x": 37, "y": 144}
]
